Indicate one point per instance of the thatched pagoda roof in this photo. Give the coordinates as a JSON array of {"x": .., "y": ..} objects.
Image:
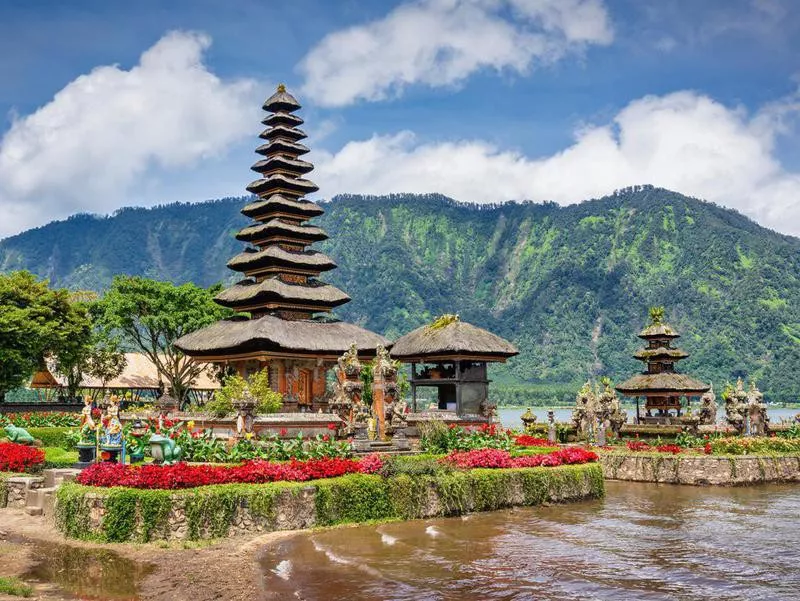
[
  {"x": 282, "y": 132},
  {"x": 273, "y": 335},
  {"x": 661, "y": 352},
  {"x": 453, "y": 339},
  {"x": 283, "y": 163},
  {"x": 282, "y": 119},
  {"x": 248, "y": 292},
  {"x": 282, "y": 147},
  {"x": 276, "y": 227},
  {"x": 659, "y": 330},
  {"x": 281, "y": 100},
  {"x": 276, "y": 256},
  {"x": 662, "y": 384},
  {"x": 282, "y": 185},
  {"x": 304, "y": 209}
]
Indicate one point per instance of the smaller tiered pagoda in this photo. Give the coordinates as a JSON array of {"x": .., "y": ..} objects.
[{"x": 661, "y": 387}]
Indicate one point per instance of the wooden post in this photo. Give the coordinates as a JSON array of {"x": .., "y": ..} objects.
[
  {"x": 637, "y": 411},
  {"x": 413, "y": 387},
  {"x": 458, "y": 387}
]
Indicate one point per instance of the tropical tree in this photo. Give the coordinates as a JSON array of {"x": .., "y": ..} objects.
[
  {"x": 150, "y": 316},
  {"x": 36, "y": 321}
]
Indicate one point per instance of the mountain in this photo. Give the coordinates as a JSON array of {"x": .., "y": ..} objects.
[{"x": 569, "y": 285}]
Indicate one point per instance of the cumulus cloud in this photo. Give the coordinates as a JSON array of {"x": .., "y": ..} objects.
[
  {"x": 441, "y": 42},
  {"x": 106, "y": 129},
  {"x": 684, "y": 141}
]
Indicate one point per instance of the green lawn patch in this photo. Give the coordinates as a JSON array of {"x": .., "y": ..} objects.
[{"x": 15, "y": 587}]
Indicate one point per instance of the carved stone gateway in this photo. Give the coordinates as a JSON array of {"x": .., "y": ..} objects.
[{"x": 384, "y": 389}]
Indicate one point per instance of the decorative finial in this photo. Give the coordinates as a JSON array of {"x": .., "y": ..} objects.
[{"x": 281, "y": 88}]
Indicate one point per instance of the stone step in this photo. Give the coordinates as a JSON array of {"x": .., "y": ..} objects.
[
  {"x": 39, "y": 497},
  {"x": 54, "y": 477},
  {"x": 34, "y": 510}
]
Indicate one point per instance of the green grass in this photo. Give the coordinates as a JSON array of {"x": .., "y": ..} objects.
[
  {"x": 56, "y": 457},
  {"x": 15, "y": 587}
]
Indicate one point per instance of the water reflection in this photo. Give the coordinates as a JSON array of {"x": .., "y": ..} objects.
[
  {"x": 86, "y": 573},
  {"x": 642, "y": 542}
]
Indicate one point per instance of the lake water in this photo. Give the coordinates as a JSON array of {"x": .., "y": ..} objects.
[
  {"x": 510, "y": 417},
  {"x": 642, "y": 542}
]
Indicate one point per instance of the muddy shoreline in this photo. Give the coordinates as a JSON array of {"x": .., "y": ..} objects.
[{"x": 61, "y": 569}]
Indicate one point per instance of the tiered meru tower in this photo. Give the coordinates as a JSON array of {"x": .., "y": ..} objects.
[
  {"x": 281, "y": 292},
  {"x": 660, "y": 385}
]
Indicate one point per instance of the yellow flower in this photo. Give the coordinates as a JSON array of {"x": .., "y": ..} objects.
[
  {"x": 190, "y": 424},
  {"x": 249, "y": 436}
]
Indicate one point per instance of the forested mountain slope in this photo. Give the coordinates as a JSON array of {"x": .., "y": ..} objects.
[{"x": 569, "y": 285}]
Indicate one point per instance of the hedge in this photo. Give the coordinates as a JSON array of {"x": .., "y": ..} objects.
[
  {"x": 211, "y": 511},
  {"x": 57, "y": 458},
  {"x": 52, "y": 437}
]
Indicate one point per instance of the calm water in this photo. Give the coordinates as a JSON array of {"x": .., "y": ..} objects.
[
  {"x": 510, "y": 417},
  {"x": 642, "y": 542}
]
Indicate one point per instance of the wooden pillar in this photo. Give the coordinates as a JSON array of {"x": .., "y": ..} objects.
[
  {"x": 378, "y": 403},
  {"x": 458, "y": 387},
  {"x": 413, "y": 387},
  {"x": 637, "y": 411}
]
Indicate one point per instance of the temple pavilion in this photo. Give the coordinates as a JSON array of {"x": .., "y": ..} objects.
[
  {"x": 660, "y": 385},
  {"x": 286, "y": 328},
  {"x": 450, "y": 357}
]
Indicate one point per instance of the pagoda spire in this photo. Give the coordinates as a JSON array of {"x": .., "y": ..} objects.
[{"x": 280, "y": 267}]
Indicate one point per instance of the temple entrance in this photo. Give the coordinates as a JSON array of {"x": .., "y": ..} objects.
[{"x": 305, "y": 394}]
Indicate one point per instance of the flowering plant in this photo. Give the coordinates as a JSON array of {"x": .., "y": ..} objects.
[
  {"x": 182, "y": 475},
  {"x": 526, "y": 440},
  {"x": 497, "y": 458},
  {"x": 436, "y": 437},
  {"x": 19, "y": 457},
  {"x": 43, "y": 419}
]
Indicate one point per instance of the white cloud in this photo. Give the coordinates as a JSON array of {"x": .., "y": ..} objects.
[
  {"x": 441, "y": 42},
  {"x": 105, "y": 130},
  {"x": 683, "y": 141}
]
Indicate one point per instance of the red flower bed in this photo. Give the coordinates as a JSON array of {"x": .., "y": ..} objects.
[
  {"x": 19, "y": 457},
  {"x": 495, "y": 458},
  {"x": 637, "y": 445},
  {"x": 525, "y": 440},
  {"x": 182, "y": 475}
]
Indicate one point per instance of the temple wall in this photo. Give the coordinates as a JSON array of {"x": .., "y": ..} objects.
[
  {"x": 700, "y": 470},
  {"x": 199, "y": 514}
]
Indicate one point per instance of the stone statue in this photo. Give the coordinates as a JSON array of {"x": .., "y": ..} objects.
[
  {"x": 736, "y": 406},
  {"x": 18, "y": 435},
  {"x": 165, "y": 450},
  {"x": 583, "y": 415},
  {"x": 88, "y": 427},
  {"x": 487, "y": 409},
  {"x": 707, "y": 413},
  {"x": 349, "y": 363},
  {"x": 112, "y": 426},
  {"x": 757, "y": 411},
  {"x": 346, "y": 399},
  {"x": 610, "y": 412}
]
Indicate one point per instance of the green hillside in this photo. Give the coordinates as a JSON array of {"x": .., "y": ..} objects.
[{"x": 569, "y": 285}]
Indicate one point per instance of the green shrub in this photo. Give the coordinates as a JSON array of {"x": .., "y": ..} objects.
[
  {"x": 53, "y": 437},
  {"x": 14, "y": 587},
  {"x": 234, "y": 388},
  {"x": 352, "y": 498},
  {"x": 57, "y": 458}
]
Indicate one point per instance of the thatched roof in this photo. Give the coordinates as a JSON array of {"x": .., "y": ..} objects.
[
  {"x": 248, "y": 292},
  {"x": 660, "y": 353},
  {"x": 43, "y": 379},
  {"x": 274, "y": 255},
  {"x": 282, "y": 204},
  {"x": 659, "y": 330},
  {"x": 276, "y": 227},
  {"x": 140, "y": 374},
  {"x": 282, "y": 147},
  {"x": 281, "y": 100},
  {"x": 282, "y": 184},
  {"x": 282, "y": 132},
  {"x": 663, "y": 383},
  {"x": 269, "y": 334},
  {"x": 282, "y": 119},
  {"x": 275, "y": 163},
  {"x": 454, "y": 339}
]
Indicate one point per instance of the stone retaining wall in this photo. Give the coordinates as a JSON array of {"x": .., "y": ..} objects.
[
  {"x": 17, "y": 487},
  {"x": 700, "y": 469},
  {"x": 233, "y": 510}
]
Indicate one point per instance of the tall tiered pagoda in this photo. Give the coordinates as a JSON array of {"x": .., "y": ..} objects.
[
  {"x": 660, "y": 385},
  {"x": 287, "y": 330}
]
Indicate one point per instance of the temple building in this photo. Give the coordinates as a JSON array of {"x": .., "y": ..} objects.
[
  {"x": 449, "y": 358},
  {"x": 661, "y": 387},
  {"x": 286, "y": 328}
]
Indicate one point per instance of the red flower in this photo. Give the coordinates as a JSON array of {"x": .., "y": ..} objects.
[
  {"x": 332, "y": 426},
  {"x": 637, "y": 445},
  {"x": 495, "y": 458},
  {"x": 284, "y": 432},
  {"x": 182, "y": 475},
  {"x": 19, "y": 457},
  {"x": 669, "y": 448},
  {"x": 326, "y": 438},
  {"x": 707, "y": 449},
  {"x": 525, "y": 440}
]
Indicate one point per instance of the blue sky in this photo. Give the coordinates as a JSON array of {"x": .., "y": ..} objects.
[{"x": 484, "y": 100}]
